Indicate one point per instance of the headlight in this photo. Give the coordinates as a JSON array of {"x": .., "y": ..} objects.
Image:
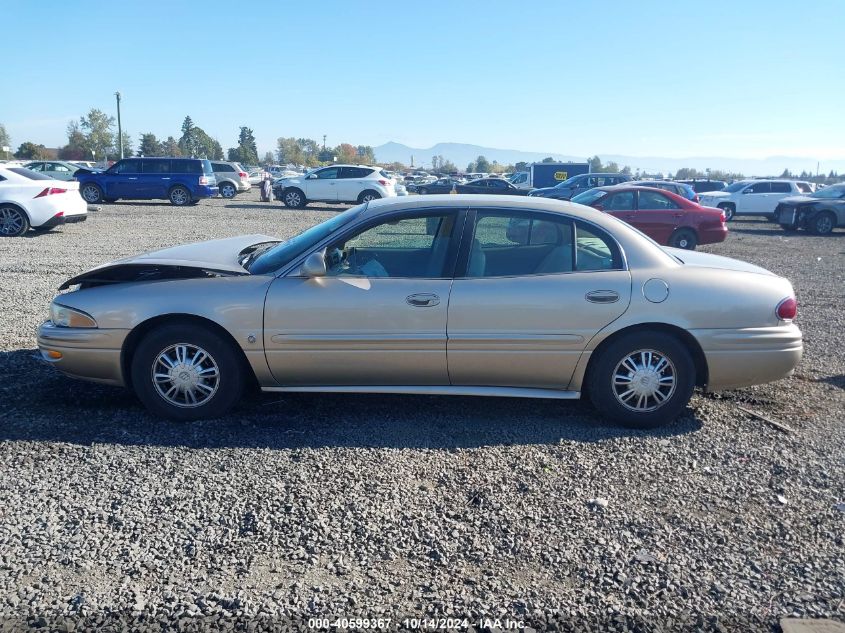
[{"x": 62, "y": 316}]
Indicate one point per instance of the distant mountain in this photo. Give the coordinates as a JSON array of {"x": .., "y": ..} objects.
[{"x": 462, "y": 154}]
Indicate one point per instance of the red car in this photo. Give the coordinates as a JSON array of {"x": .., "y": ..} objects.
[{"x": 665, "y": 217}]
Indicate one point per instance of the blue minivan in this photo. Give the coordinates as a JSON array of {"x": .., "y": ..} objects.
[{"x": 180, "y": 180}]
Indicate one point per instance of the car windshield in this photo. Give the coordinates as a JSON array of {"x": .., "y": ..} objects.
[
  {"x": 735, "y": 187},
  {"x": 830, "y": 192},
  {"x": 567, "y": 182},
  {"x": 589, "y": 196},
  {"x": 274, "y": 258},
  {"x": 28, "y": 173}
]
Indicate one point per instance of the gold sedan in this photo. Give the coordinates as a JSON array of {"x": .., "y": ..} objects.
[{"x": 469, "y": 295}]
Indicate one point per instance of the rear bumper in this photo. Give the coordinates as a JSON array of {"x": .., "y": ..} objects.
[
  {"x": 750, "y": 356},
  {"x": 712, "y": 234},
  {"x": 244, "y": 186},
  {"x": 87, "y": 353},
  {"x": 205, "y": 191}
]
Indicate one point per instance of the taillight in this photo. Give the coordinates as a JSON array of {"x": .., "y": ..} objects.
[
  {"x": 696, "y": 199},
  {"x": 50, "y": 191},
  {"x": 723, "y": 218},
  {"x": 383, "y": 183},
  {"x": 787, "y": 309},
  {"x": 242, "y": 175},
  {"x": 203, "y": 180}
]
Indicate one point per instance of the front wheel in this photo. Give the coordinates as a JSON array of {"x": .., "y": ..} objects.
[
  {"x": 185, "y": 372},
  {"x": 642, "y": 380},
  {"x": 13, "y": 222},
  {"x": 423, "y": 191},
  {"x": 91, "y": 193},
  {"x": 729, "y": 211},
  {"x": 293, "y": 199},
  {"x": 823, "y": 223},
  {"x": 179, "y": 196},
  {"x": 684, "y": 238}
]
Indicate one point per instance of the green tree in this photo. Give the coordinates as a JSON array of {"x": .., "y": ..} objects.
[
  {"x": 247, "y": 149},
  {"x": 786, "y": 173},
  {"x": 268, "y": 158},
  {"x": 521, "y": 166},
  {"x": 170, "y": 147},
  {"x": 471, "y": 167},
  {"x": 150, "y": 145},
  {"x": 548, "y": 159},
  {"x": 447, "y": 166},
  {"x": 97, "y": 128},
  {"x": 188, "y": 140},
  {"x": 127, "y": 144},
  {"x": 76, "y": 144},
  {"x": 289, "y": 151},
  {"x": 483, "y": 165},
  {"x": 31, "y": 151},
  {"x": 5, "y": 140}
]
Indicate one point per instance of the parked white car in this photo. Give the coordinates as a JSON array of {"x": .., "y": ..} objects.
[
  {"x": 337, "y": 183},
  {"x": 753, "y": 197},
  {"x": 31, "y": 200}
]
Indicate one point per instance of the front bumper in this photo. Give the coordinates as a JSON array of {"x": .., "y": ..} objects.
[
  {"x": 87, "y": 353},
  {"x": 750, "y": 356}
]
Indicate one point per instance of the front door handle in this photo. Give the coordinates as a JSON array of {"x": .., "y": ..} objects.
[
  {"x": 602, "y": 296},
  {"x": 132, "y": 178},
  {"x": 422, "y": 300}
]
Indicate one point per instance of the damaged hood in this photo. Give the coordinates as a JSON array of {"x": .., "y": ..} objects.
[
  {"x": 213, "y": 258},
  {"x": 706, "y": 260}
]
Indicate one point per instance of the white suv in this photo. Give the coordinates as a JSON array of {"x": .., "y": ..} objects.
[
  {"x": 753, "y": 197},
  {"x": 337, "y": 183}
]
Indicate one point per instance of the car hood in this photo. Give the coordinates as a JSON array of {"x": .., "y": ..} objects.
[
  {"x": 706, "y": 260},
  {"x": 545, "y": 190},
  {"x": 798, "y": 200},
  {"x": 213, "y": 258},
  {"x": 714, "y": 194}
]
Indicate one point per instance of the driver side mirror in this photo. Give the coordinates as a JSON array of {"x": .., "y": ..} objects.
[
  {"x": 311, "y": 177},
  {"x": 749, "y": 190},
  {"x": 315, "y": 265}
]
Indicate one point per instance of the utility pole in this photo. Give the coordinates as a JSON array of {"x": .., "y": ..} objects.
[
  {"x": 324, "y": 142},
  {"x": 119, "y": 128}
]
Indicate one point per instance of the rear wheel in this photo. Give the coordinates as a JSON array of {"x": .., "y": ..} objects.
[
  {"x": 228, "y": 190},
  {"x": 823, "y": 223},
  {"x": 729, "y": 210},
  {"x": 642, "y": 380},
  {"x": 423, "y": 191},
  {"x": 684, "y": 238},
  {"x": 13, "y": 221},
  {"x": 184, "y": 372},
  {"x": 91, "y": 193},
  {"x": 180, "y": 196},
  {"x": 368, "y": 196}
]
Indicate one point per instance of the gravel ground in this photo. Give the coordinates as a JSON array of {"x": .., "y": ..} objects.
[{"x": 395, "y": 506}]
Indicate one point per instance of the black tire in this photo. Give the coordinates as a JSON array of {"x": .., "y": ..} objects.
[
  {"x": 228, "y": 190},
  {"x": 91, "y": 193},
  {"x": 293, "y": 198},
  {"x": 729, "y": 210},
  {"x": 603, "y": 375},
  {"x": 13, "y": 221},
  {"x": 684, "y": 238},
  {"x": 368, "y": 195},
  {"x": 423, "y": 191},
  {"x": 230, "y": 373},
  {"x": 789, "y": 228},
  {"x": 822, "y": 224},
  {"x": 179, "y": 196}
]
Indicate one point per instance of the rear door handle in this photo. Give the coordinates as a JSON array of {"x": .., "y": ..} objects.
[
  {"x": 602, "y": 296},
  {"x": 133, "y": 178},
  {"x": 422, "y": 300}
]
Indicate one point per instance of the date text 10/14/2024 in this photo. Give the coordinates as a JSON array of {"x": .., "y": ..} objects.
[{"x": 421, "y": 623}]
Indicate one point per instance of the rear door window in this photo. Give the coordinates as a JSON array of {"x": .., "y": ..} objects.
[
  {"x": 156, "y": 166},
  {"x": 781, "y": 187}
]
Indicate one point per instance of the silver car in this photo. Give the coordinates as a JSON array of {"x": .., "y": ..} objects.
[{"x": 469, "y": 295}]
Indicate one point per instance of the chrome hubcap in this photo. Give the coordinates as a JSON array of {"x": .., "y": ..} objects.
[
  {"x": 824, "y": 225},
  {"x": 90, "y": 194},
  {"x": 292, "y": 199},
  {"x": 228, "y": 191},
  {"x": 369, "y": 198},
  {"x": 644, "y": 380},
  {"x": 11, "y": 221},
  {"x": 179, "y": 196},
  {"x": 185, "y": 375}
]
